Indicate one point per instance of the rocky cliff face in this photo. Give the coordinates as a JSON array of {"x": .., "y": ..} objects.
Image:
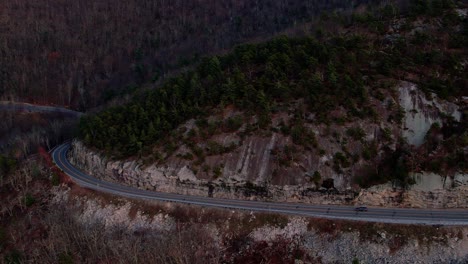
[
  {"x": 422, "y": 112},
  {"x": 270, "y": 165},
  {"x": 182, "y": 180},
  {"x": 431, "y": 190}
]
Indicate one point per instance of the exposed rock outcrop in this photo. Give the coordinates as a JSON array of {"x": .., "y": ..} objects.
[
  {"x": 181, "y": 180},
  {"x": 269, "y": 165},
  {"x": 421, "y": 112}
]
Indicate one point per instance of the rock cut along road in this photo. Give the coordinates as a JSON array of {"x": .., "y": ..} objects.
[{"x": 374, "y": 214}]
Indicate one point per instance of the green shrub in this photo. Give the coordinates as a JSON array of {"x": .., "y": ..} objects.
[
  {"x": 201, "y": 123},
  {"x": 6, "y": 165},
  {"x": 217, "y": 171},
  {"x": 285, "y": 129},
  {"x": 29, "y": 200},
  {"x": 366, "y": 153},
  {"x": 250, "y": 189},
  {"x": 199, "y": 153},
  {"x": 356, "y": 133},
  {"x": 316, "y": 177},
  {"x": 3, "y": 237},
  {"x": 213, "y": 127},
  {"x": 387, "y": 134},
  {"x": 340, "y": 161},
  {"x": 35, "y": 171},
  {"x": 192, "y": 133},
  {"x": 205, "y": 168},
  {"x": 322, "y": 152},
  {"x": 65, "y": 258},
  {"x": 55, "y": 179},
  {"x": 400, "y": 115},
  {"x": 214, "y": 148},
  {"x": 187, "y": 156},
  {"x": 234, "y": 123},
  {"x": 14, "y": 257}
]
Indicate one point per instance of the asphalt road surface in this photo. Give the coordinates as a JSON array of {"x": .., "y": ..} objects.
[
  {"x": 25, "y": 107},
  {"x": 374, "y": 214}
]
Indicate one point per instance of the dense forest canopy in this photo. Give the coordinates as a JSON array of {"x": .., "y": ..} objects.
[
  {"x": 253, "y": 77},
  {"x": 81, "y": 53},
  {"x": 326, "y": 72},
  {"x": 310, "y": 115}
]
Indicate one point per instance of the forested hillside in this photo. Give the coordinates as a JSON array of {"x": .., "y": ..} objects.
[
  {"x": 81, "y": 53},
  {"x": 270, "y": 100},
  {"x": 342, "y": 70},
  {"x": 298, "y": 88}
]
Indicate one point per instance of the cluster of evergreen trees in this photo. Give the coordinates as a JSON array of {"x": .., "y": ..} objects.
[
  {"x": 255, "y": 78},
  {"x": 259, "y": 78},
  {"x": 6, "y": 165}
]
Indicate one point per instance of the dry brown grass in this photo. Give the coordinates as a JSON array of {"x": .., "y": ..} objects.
[
  {"x": 45, "y": 233},
  {"x": 397, "y": 235}
]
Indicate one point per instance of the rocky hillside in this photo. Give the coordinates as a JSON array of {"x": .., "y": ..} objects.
[
  {"x": 46, "y": 219},
  {"x": 329, "y": 113},
  {"x": 233, "y": 237},
  {"x": 263, "y": 159}
]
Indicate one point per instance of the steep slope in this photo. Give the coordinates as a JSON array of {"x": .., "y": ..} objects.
[{"x": 328, "y": 113}]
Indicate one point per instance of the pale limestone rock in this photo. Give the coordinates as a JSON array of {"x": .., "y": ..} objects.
[
  {"x": 295, "y": 228},
  {"x": 421, "y": 113},
  {"x": 186, "y": 174}
]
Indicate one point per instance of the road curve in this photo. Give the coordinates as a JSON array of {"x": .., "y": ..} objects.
[
  {"x": 374, "y": 214},
  {"x": 25, "y": 107}
]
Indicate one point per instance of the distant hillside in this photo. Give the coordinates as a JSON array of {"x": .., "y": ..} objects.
[
  {"x": 291, "y": 109},
  {"x": 81, "y": 53}
]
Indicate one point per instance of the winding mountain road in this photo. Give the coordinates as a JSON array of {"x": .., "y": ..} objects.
[
  {"x": 25, "y": 107},
  {"x": 374, "y": 214}
]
